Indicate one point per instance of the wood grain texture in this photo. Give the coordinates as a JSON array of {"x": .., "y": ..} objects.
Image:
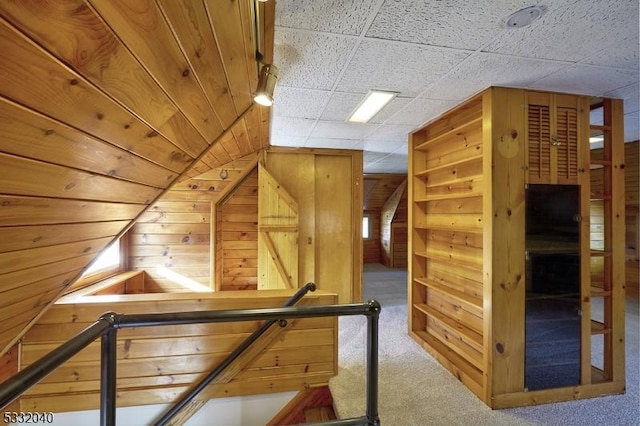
[{"x": 102, "y": 107}]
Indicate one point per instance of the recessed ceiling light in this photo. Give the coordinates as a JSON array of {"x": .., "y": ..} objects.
[
  {"x": 524, "y": 17},
  {"x": 371, "y": 105}
]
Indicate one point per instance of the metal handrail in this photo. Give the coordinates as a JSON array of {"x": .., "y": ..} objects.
[
  {"x": 182, "y": 402},
  {"x": 107, "y": 325}
]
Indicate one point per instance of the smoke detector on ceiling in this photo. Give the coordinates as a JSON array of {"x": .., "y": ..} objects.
[{"x": 524, "y": 17}]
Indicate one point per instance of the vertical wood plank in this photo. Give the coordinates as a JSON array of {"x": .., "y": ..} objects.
[{"x": 507, "y": 258}]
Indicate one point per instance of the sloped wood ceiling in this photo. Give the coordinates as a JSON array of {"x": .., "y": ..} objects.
[
  {"x": 103, "y": 106},
  {"x": 379, "y": 187}
]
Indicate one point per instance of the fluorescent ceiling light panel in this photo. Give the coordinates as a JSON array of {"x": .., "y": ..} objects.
[{"x": 371, "y": 105}]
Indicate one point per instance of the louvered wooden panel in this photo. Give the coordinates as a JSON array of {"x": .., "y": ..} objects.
[
  {"x": 539, "y": 146},
  {"x": 567, "y": 134}
]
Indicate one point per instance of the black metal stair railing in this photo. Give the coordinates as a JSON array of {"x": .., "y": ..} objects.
[
  {"x": 193, "y": 392},
  {"x": 107, "y": 325}
]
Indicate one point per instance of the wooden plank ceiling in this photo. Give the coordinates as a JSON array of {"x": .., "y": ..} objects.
[
  {"x": 378, "y": 188},
  {"x": 103, "y": 106}
]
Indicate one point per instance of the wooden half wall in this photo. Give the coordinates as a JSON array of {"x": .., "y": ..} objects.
[{"x": 158, "y": 364}]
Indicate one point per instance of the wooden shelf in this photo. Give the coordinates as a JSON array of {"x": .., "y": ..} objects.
[
  {"x": 448, "y": 165},
  {"x": 451, "y": 292},
  {"x": 599, "y": 127},
  {"x": 599, "y": 292},
  {"x": 598, "y": 375},
  {"x": 600, "y": 197},
  {"x": 466, "y": 126},
  {"x": 441, "y": 197},
  {"x": 467, "y": 335},
  {"x": 600, "y": 162}
]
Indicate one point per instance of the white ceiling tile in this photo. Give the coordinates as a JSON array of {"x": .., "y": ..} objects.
[
  {"x": 622, "y": 53},
  {"x": 336, "y": 143},
  {"x": 301, "y": 103},
  {"x": 340, "y": 106},
  {"x": 454, "y": 88},
  {"x": 486, "y": 69},
  {"x": 329, "y": 129},
  {"x": 572, "y": 30},
  {"x": 369, "y": 157},
  {"x": 290, "y": 126},
  {"x": 420, "y": 111},
  {"x": 632, "y": 127},
  {"x": 391, "y": 109},
  {"x": 397, "y": 67},
  {"x": 333, "y": 16},
  {"x": 382, "y": 145},
  {"x": 391, "y": 132},
  {"x": 461, "y": 24},
  {"x": 587, "y": 80},
  {"x": 310, "y": 60}
]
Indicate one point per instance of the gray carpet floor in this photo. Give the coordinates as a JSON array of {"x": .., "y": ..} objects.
[{"x": 416, "y": 390}]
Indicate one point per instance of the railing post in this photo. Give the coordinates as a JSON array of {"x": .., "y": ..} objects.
[
  {"x": 372, "y": 363},
  {"x": 108, "y": 358}
]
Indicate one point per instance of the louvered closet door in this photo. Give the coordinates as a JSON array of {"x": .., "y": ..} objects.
[
  {"x": 566, "y": 139},
  {"x": 539, "y": 137},
  {"x": 552, "y": 138}
]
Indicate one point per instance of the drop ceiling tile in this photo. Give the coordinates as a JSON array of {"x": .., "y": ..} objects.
[
  {"x": 486, "y": 69},
  {"x": 390, "y": 132},
  {"x": 619, "y": 54},
  {"x": 391, "y": 109},
  {"x": 460, "y": 24},
  {"x": 397, "y": 67},
  {"x": 333, "y": 16},
  {"x": 336, "y": 143},
  {"x": 310, "y": 60},
  {"x": 340, "y": 106},
  {"x": 340, "y": 129},
  {"x": 291, "y": 126},
  {"x": 587, "y": 80},
  {"x": 369, "y": 157},
  {"x": 392, "y": 163},
  {"x": 387, "y": 146},
  {"x": 301, "y": 103},
  {"x": 421, "y": 111},
  {"x": 454, "y": 88},
  {"x": 572, "y": 30}
]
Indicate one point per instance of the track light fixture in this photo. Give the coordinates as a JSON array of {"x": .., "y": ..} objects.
[{"x": 266, "y": 85}]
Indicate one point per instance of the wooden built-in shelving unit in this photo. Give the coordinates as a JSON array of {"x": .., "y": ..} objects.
[{"x": 469, "y": 171}]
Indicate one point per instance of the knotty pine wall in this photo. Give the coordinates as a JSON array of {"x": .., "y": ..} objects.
[
  {"x": 237, "y": 237},
  {"x": 102, "y": 107},
  {"x": 175, "y": 233},
  {"x": 158, "y": 364}
]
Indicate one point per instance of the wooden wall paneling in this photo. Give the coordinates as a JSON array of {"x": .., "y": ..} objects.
[
  {"x": 23, "y": 177},
  {"x": 146, "y": 33},
  {"x": 190, "y": 21},
  {"x": 237, "y": 234},
  {"x": 63, "y": 145},
  {"x": 506, "y": 211},
  {"x": 228, "y": 31},
  {"x": 25, "y": 237},
  {"x": 77, "y": 102},
  {"x": 20, "y": 210},
  {"x": 155, "y": 363}
]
